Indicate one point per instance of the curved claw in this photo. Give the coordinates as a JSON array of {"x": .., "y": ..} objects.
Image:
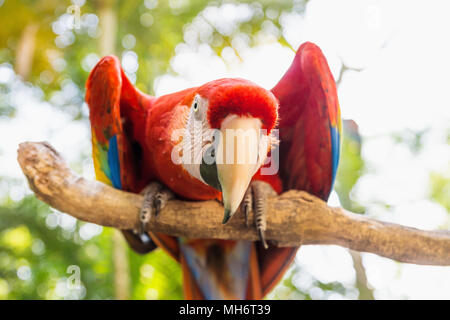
[
  {"x": 161, "y": 199},
  {"x": 260, "y": 210},
  {"x": 262, "y": 238}
]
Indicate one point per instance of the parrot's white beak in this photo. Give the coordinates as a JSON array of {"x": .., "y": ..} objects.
[{"x": 237, "y": 159}]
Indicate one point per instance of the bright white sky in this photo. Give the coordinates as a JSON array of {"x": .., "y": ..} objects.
[{"x": 403, "y": 48}]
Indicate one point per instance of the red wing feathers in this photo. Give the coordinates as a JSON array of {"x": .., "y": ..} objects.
[
  {"x": 309, "y": 123},
  {"x": 117, "y": 114},
  {"x": 309, "y": 129}
]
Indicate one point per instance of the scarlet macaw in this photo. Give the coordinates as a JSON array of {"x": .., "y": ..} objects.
[{"x": 132, "y": 139}]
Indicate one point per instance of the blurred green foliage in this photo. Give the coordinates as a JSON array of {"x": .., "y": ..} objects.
[
  {"x": 440, "y": 184},
  {"x": 351, "y": 166},
  {"x": 151, "y": 29},
  {"x": 36, "y": 252},
  {"x": 440, "y": 188}
]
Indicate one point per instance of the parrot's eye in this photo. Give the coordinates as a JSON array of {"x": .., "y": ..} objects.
[{"x": 196, "y": 106}]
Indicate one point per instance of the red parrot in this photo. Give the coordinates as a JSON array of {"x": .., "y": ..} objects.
[{"x": 137, "y": 138}]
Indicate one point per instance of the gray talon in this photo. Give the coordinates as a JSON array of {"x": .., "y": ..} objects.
[
  {"x": 255, "y": 199},
  {"x": 260, "y": 210},
  {"x": 247, "y": 205}
]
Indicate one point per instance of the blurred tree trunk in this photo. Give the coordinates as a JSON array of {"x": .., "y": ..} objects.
[
  {"x": 365, "y": 291},
  {"x": 107, "y": 45},
  {"x": 121, "y": 267},
  {"x": 25, "y": 51},
  {"x": 108, "y": 26}
]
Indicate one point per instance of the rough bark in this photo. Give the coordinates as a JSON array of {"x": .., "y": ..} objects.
[{"x": 295, "y": 217}]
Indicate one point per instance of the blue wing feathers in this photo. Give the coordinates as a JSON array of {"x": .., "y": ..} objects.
[
  {"x": 114, "y": 163},
  {"x": 335, "y": 152}
]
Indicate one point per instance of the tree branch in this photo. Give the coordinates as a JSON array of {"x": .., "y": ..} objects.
[{"x": 295, "y": 218}]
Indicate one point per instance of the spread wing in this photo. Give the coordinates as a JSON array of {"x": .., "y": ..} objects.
[
  {"x": 310, "y": 124},
  {"x": 309, "y": 130},
  {"x": 117, "y": 115}
]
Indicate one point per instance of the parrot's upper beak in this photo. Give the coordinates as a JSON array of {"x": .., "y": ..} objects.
[{"x": 237, "y": 159}]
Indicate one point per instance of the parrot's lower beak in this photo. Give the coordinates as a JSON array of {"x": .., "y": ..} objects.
[{"x": 237, "y": 159}]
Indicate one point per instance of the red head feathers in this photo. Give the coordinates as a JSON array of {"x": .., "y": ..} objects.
[{"x": 240, "y": 97}]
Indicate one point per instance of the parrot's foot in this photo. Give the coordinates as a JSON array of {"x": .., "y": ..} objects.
[
  {"x": 156, "y": 197},
  {"x": 255, "y": 199}
]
